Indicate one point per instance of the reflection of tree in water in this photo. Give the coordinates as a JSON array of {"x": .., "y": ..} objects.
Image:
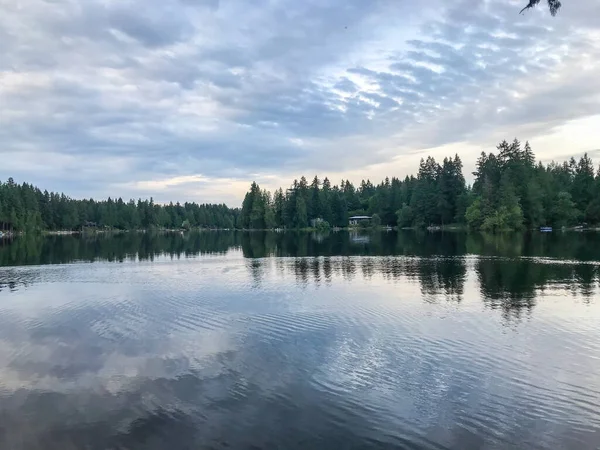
[
  {"x": 566, "y": 246},
  {"x": 315, "y": 268},
  {"x": 327, "y": 269},
  {"x": 585, "y": 278},
  {"x": 368, "y": 269},
  {"x": 301, "y": 270},
  {"x": 512, "y": 284},
  {"x": 504, "y": 285},
  {"x": 348, "y": 267},
  {"x": 260, "y": 244},
  {"x": 435, "y": 260},
  {"x": 256, "y": 245},
  {"x": 443, "y": 275},
  {"x": 257, "y": 270},
  {"x": 495, "y": 245},
  {"x": 36, "y": 249}
]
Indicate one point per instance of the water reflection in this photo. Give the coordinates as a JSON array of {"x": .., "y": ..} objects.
[
  {"x": 35, "y": 250},
  {"x": 514, "y": 284},
  {"x": 511, "y": 269},
  {"x": 295, "y": 340}
]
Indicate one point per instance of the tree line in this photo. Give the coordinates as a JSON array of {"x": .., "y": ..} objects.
[
  {"x": 24, "y": 207},
  {"x": 510, "y": 192}
]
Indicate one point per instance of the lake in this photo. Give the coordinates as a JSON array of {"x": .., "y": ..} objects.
[{"x": 296, "y": 340}]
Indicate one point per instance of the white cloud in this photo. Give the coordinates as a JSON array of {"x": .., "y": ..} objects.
[{"x": 136, "y": 95}]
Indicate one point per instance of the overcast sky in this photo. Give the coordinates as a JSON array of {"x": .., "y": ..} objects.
[{"x": 191, "y": 100}]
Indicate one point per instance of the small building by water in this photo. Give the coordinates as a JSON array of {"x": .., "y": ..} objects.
[{"x": 357, "y": 220}]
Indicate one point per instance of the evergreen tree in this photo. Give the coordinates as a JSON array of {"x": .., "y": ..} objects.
[
  {"x": 314, "y": 206},
  {"x": 279, "y": 208},
  {"x": 326, "y": 202},
  {"x": 405, "y": 216},
  {"x": 583, "y": 186},
  {"x": 301, "y": 217},
  {"x": 510, "y": 191},
  {"x": 565, "y": 212},
  {"x": 339, "y": 208}
]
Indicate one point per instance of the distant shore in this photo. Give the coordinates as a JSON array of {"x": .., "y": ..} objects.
[{"x": 433, "y": 228}]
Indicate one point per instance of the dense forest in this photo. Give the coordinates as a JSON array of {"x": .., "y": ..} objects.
[
  {"x": 510, "y": 192},
  {"x": 24, "y": 207}
]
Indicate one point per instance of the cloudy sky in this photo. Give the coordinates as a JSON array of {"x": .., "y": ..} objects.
[{"x": 193, "y": 99}]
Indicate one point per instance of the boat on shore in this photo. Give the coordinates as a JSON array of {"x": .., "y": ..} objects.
[{"x": 545, "y": 229}]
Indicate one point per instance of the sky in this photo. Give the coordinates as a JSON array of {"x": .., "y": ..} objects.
[{"x": 191, "y": 100}]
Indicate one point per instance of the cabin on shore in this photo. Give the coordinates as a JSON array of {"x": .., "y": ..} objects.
[{"x": 357, "y": 220}]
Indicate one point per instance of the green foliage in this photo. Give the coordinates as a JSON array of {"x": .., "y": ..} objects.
[
  {"x": 375, "y": 220},
  {"x": 592, "y": 212},
  {"x": 533, "y": 205},
  {"x": 339, "y": 207},
  {"x": 258, "y": 212},
  {"x": 583, "y": 188},
  {"x": 270, "y": 221},
  {"x": 26, "y": 208},
  {"x": 565, "y": 212},
  {"x": 322, "y": 226},
  {"x": 301, "y": 216},
  {"x": 405, "y": 216},
  {"x": 474, "y": 214},
  {"x": 505, "y": 218},
  {"x": 509, "y": 192}
]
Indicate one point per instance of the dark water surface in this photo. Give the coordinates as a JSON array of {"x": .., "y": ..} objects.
[{"x": 264, "y": 340}]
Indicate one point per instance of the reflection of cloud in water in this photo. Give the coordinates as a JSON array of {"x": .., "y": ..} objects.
[
  {"x": 88, "y": 362},
  {"x": 328, "y": 353}
]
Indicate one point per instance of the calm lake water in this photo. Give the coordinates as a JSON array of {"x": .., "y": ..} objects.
[{"x": 264, "y": 340}]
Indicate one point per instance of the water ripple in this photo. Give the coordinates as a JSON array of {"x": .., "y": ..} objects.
[{"x": 316, "y": 352}]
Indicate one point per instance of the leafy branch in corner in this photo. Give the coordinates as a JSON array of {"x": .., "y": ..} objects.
[{"x": 554, "y": 6}]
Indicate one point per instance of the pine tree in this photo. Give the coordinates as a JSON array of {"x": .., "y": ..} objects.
[
  {"x": 301, "y": 216},
  {"x": 583, "y": 186},
  {"x": 314, "y": 206}
]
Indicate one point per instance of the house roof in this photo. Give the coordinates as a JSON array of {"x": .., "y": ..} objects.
[{"x": 359, "y": 217}]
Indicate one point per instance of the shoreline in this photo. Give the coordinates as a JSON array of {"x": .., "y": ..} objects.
[{"x": 431, "y": 229}]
